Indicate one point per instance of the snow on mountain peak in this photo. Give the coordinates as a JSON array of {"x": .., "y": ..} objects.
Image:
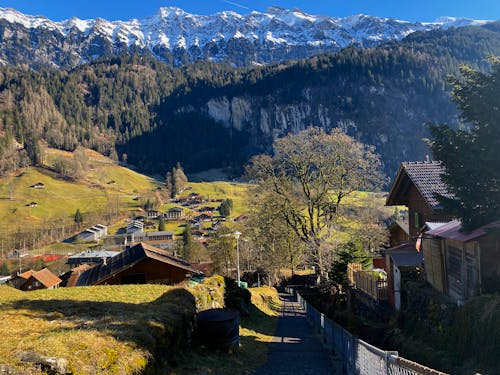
[{"x": 172, "y": 27}]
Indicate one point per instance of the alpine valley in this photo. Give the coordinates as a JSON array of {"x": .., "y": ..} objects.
[{"x": 210, "y": 91}]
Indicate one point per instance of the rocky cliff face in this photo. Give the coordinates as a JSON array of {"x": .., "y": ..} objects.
[
  {"x": 176, "y": 37},
  {"x": 394, "y": 124}
]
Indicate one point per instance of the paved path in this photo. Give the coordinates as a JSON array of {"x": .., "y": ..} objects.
[{"x": 295, "y": 349}]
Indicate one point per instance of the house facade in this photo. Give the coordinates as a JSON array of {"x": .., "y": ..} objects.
[{"x": 416, "y": 186}]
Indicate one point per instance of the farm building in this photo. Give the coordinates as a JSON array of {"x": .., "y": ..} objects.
[
  {"x": 462, "y": 265},
  {"x": 138, "y": 264},
  {"x": 94, "y": 233}
]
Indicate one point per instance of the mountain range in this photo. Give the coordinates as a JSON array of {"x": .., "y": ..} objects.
[
  {"x": 176, "y": 37},
  {"x": 116, "y": 87}
]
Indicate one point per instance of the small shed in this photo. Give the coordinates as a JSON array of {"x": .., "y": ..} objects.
[
  {"x": 403, "y": 263},
  {"x": 460, "y": 264}
]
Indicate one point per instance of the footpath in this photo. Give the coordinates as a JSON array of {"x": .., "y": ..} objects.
[{"x": 295, "y": 349}]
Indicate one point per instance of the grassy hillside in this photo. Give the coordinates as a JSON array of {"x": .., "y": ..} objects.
[
  {"x": 119, "y": 329},
  {"x": 60, "y": 198}
]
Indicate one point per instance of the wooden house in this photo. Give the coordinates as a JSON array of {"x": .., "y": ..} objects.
[
  {"x": 399, "y": 232},
  {"x": 175, "y": 213},
  {"x": 152, "y": 214},
  {"x": 33, "y": 280},
  {"x": 139, "y": 264},
  {"x": 416, "y": 186},
  {"x": 462, "y": 265},
  {"x": 38, "y": 185}
]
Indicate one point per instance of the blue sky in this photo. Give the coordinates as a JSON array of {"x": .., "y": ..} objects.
[{"x": 415, "y": 10}]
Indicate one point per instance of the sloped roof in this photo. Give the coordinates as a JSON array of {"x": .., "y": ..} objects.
[
  {"x": 405, "y": 255},
  {"x": 75, "y": 274},
  {"x": 27, "y": 274},
  {"x": 425, "y": 176},
  {"x": 403, "y": 224},
  {"x": 451, "y": 230},
  {"x": 128, "y": 258},
  {"x": 46, "y": 278}
]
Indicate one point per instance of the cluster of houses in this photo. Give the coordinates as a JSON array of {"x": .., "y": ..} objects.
[
  {"x": 430, "y": 242},
  {"x": 138, "y": 264}
]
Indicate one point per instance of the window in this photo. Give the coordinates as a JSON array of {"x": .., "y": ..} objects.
[{"x": 417, "y": 220}]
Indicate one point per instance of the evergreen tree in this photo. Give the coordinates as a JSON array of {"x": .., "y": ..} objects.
[
  {"x": 161, "y": 224},
  {"x": 470, "y": 154},
  {"x": 169, "y": 184},
  {"x": 187, "y": 242},
  {"x": 4, "y": 269},
  {"x": 78, "y": 217},
  {"x": 225, "y": 208}
]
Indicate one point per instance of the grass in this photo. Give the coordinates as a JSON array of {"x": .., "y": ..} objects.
[
  {"x": 128, "y": 329},
  {"x": 256, "y": 331},
  {"x": 60, "y": 198}
]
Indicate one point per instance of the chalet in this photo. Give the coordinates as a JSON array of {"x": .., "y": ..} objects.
[
  {"x": 152, "y": 214},
  {"x": 70, "y": 278},
  {"x": 175, "y": 213},
  {"x": 399, "y": 232},
  {"x": 91, "y": 257},
  {"x": 462, "y": 265},
  {"x": 38, "y": 185},
  {"x": 32, "y": 204},
  {"x": 207, "y": 209},
  {"x": 32, "y": 280},
  {"x": 416, "y": 186},
  {"x": 203, "y": 217},
  {"x": 18, "y": 253},
  {"x": 138, "y": 264},
  {"x": 152, "y": 236},
  {"x": 135, "y": 226}
]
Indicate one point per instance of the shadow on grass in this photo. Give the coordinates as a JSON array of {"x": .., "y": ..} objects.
[
  {"x": 257, "y": 329},
  {"x": 160, "y": 327}
]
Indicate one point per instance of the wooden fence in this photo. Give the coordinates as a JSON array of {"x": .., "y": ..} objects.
[{"x": 367, "y": 282}]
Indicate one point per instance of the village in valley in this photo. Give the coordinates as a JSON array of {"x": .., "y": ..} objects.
[{"x": 245, "y": 206}]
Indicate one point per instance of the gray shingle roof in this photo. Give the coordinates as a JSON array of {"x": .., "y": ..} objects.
[{"x": 426, "y": 176}]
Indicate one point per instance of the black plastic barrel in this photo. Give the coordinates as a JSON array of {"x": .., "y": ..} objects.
[{"x": 219, "y": 328}]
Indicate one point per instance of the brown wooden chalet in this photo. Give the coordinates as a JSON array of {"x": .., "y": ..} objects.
[
  {"x": 416, "y": 186},
  {"x": 138, "y": 264},
  {"x": 462, "y": 265},
  {"x": 33, "y": 280},
  {"x": 399, "y": 232}
]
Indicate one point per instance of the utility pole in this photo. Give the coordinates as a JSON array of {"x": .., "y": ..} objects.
[{"x": 237, "y": 236}]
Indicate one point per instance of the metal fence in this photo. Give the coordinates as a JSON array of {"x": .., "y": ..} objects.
[{"x": 358, "y": 357}]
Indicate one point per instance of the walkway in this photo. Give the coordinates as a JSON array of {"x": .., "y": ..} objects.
[{"x": 295, "y": 349}]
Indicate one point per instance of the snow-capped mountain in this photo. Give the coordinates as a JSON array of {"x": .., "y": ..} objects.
[{"x": 177, "y": 37}]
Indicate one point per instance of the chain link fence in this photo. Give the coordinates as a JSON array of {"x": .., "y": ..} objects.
[{"x": 358, "y": 357}]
